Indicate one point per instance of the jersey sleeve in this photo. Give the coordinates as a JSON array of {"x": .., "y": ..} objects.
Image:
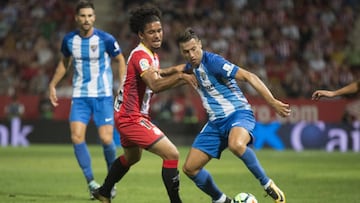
[
  {"x": 142, "y": 62},
  {"x": 112, "y": 46},
  {"x": 220, "y": 67},
  {"x": 187, "y": 68},
  {"x": 64, "y": 47}
]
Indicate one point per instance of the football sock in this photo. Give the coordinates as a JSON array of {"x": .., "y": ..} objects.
[
  {"x": 117, "y": 170},
  {"x": 222, "y": 199},
  {"x": 170, "y": 176},
  {"x": 83, "y": 157},
  {"x": 253, "y": 164},
  {"x": 205, "y": 182},
  {"x": 109, "y": 153}
]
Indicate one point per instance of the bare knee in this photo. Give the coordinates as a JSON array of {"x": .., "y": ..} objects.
[
  {"x": 238, "y": 147},
  {"x": 106, "y": 134},
  {"x": 172, "y": 154},
  {"x": 77, "y": 138},
  {"x": 189, "y": 171},
  {"x": 78, "y": 131}
]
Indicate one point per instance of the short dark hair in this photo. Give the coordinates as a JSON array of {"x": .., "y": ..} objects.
[
  {"x": 143, "y": 15},
  {"x": 84, "y": 4},
  {"x": 186, "y": 35}
]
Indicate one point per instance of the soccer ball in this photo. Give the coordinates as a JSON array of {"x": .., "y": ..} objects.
[{"x": 245, "y": 197}]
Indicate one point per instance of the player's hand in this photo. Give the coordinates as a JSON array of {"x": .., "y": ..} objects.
[
  {"x": 281, "y": 108},
  {"x": 118, "y": 101},
  {"x": 322, "y": 93},
  {"x": 52, "y": 96},
  {"x": 190, "y": 79}
]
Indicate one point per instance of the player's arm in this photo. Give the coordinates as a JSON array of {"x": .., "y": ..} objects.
[
  {"x": 171, "y": 70},
  {"x": 121, "y": 66},
  {"x": 60, "y": 72},
  {"x": 157, "y": 83},
  {"x": 348, "y": 89},
  {"x": 280, "y": 107}
]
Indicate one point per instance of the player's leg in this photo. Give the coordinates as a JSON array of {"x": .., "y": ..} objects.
[
  {"x": 208, "y": 144},
  {"x": 80, "y": 115},
  {"x": 194, "y": 169},
  {"x": 104, "y": 119},
  {"x": 170, "y": 173},
  {"x": 78, "y": 130},
  {"x": 131, "y": 135},
  {"x": 239, "y": 137},
  {"x": 238, "y": 140},
  {"x": 109, "y": 148},
  {"x": 82, "y": 154},
  {"x": 117, "y": 171}
]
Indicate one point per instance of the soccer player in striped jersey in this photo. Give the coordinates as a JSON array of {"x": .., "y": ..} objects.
[
  {"x": 89, "y": 51},
  {"x": 231, "y": 119},
  {"x": 143, "y": 78}
]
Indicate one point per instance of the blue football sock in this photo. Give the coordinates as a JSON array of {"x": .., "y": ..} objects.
[
  {"x": 83, "y": 157},
  {"x": 252, "y": 163},
  {"x": 109, "y": 153},
  {"x": 205, "y": 182}
]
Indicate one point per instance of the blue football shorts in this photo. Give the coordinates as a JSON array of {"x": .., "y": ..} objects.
[
  {"x": 98, "y": 108},
  {"x": 213, "y": 138}
]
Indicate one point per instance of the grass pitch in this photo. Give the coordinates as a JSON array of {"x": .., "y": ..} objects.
[{"x": 49, "y": 173}]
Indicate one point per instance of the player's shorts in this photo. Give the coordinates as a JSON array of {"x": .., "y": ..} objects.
[
  {"x": 99, "y": 108},
  {"x": 213, "y": 138},
  {"x": 139, "y": 132}
]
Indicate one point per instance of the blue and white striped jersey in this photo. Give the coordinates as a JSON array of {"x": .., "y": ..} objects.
[
  {"x": 218, "y": 89},
  {"x": 92, "y": 62}
]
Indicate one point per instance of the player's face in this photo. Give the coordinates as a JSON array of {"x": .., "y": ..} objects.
[
  {"x": 192, "y": 51},
  {"x": 152, "y": 35},
  {"x": 85, "y": 19}
]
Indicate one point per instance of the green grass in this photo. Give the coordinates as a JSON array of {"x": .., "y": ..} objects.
[{"x": 49, "y": 173}]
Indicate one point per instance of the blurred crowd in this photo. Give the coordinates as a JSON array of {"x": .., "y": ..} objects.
[{"x": 295, "y": 46}]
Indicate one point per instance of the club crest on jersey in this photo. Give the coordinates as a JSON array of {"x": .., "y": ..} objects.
[
  {"x": 144, "y": 64},
  {"x": 93, "y": 47}
]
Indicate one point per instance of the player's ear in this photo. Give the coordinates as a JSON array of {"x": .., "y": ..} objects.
[{"x": 141, "y": 35}]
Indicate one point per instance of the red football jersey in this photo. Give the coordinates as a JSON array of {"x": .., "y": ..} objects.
[{"x": 137, "y": 95}]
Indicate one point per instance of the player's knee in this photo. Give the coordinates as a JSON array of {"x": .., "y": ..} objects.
[
  {"x": 189, "y": 171},
  {"x": 106, "y": 139},
  {"x": 131, "y": 160},
  {"x": 237, "y": 147},
  {"x": 77, "y": 138},
  {"x": 173, "y": 155}
]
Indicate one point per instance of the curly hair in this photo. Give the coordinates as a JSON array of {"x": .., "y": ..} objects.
[{"x": 143, "y": 15}]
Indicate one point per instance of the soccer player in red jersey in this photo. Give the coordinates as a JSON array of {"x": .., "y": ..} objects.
[{"x": 143, "y": 78}]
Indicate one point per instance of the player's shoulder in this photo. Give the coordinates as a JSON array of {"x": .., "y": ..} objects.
[
  {"x": 140, "y": 52},
  {"x": 70, "y": 35},
  {"x": 212, "y": 58}
]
